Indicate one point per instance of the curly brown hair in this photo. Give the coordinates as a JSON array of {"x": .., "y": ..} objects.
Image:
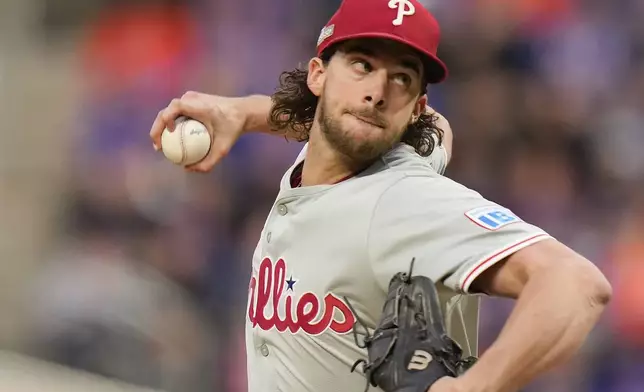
[{"x": 294, "y": 107}]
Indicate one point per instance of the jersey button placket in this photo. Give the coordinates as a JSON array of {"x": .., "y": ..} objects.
[{"x": 264, "y": 350}]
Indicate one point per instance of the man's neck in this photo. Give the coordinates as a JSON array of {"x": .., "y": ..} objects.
[{"x": 324, "y": 165}]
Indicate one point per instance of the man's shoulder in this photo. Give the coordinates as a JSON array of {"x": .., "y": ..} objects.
[
  {"x": 403, "y": 157},
  {"x": 412, "y": 179},
  {"x": 415, "y": 187},
  {"x": 403, "y": 162}
]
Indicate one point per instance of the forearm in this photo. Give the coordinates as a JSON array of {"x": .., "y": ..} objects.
[
  {"x": 551, "y": 320},
  {"x": 256, "y": 109}
]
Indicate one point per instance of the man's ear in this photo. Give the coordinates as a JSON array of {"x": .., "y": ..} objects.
[
  {"x": 421, "y": 104},
  {"x": 316, "y": 76},
  {"x": 419, "y": 108}
]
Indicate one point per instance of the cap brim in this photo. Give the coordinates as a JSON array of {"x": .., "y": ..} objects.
[{"x": 435, "y": 69}]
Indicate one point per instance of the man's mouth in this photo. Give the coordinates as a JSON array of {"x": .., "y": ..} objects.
[{"x": 368, "y": 120}]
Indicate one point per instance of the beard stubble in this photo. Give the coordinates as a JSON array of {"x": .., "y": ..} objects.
[{"x": 359, "y": 153}]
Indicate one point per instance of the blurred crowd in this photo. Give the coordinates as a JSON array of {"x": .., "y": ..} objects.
[{"x": 149, "y": 281}]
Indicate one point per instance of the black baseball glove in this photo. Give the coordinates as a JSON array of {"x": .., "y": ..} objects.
[{"x": 409, "y": 349}]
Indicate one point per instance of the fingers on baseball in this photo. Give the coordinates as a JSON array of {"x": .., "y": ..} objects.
[
  {"x": 170, "y": 114},
  {"x": 177, "y": 108},
  {"x": 156, "y": 131},
  {"x": 189, "y": 105},
  {"x": 166, "y": 118}
]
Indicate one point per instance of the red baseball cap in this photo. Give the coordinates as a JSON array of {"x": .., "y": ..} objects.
[{"x": 404, "y": 21}]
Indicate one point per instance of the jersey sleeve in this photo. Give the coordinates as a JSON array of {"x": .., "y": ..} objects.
[{"x": 453, "y": 233}]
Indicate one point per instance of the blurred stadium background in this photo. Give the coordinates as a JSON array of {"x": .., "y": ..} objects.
[{"x": 115, "y": 265}]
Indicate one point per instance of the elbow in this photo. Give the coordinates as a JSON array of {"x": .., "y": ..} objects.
[
  {"x": 602, "y": 290},
  {"x": 548, "y": 266},
  {"x": 594, "y": 285}
]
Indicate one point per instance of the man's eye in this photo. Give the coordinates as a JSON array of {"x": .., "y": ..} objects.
[
  {"x": 403, "y": 79},
  {"x": 362, "y": 66}
]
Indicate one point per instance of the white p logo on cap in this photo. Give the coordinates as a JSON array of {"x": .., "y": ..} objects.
[{"x": 405, "y": 8}]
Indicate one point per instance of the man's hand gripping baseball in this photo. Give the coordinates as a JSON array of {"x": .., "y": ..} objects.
[{"x": 224, "y": 118}]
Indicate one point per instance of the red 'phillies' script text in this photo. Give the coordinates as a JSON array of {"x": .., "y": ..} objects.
[{"x": 266, "y": 291}]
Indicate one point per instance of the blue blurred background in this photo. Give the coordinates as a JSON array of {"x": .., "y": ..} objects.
[{"x": 117, "y": 263}]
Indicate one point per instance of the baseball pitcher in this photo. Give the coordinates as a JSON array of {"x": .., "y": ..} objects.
[{"x": 371, "y": 264}]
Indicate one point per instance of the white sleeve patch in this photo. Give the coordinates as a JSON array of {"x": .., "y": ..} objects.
[{"x": 492, "y": 217}]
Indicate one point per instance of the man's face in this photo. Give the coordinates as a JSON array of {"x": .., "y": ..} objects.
[{"x": 369, "y": 92}]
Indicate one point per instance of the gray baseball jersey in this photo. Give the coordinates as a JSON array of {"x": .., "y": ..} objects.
[{"x": 322, "y": 244}]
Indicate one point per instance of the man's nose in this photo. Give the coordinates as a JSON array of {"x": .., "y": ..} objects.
[{"x": 377, "y": 89}]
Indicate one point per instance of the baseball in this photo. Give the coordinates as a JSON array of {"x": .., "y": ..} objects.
[{"x": 188, "y": 144}]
